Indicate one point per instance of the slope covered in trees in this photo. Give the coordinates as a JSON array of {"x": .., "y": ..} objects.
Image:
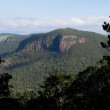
[
  {"x": 29, "y": 66},
  {"x": 90, "y": 90},
  {"x": 87, "y": 90}
]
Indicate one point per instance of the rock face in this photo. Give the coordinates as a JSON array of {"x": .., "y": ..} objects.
[
  {"x": 57, "y": 43},
  {"x": 69, "y": 40}
]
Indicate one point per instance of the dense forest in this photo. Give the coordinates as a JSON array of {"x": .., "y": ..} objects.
[
  {"x": 87, "y": 90},
  {"x": 30, "y": 58}
]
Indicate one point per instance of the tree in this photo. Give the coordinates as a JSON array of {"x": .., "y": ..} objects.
[
  {"x": 53, "y": 94},
  {"x": 1, "y": 60},
  {"x": 106, "y": 27},
  {"x": 91, "y": 89},
  {"x": 4, "y": 80}
]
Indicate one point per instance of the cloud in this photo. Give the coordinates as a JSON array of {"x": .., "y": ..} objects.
[
  {"x": 77, "y": 21},
  {"x": 29, "y": 25},
  {"x": 97, "y": 20}
]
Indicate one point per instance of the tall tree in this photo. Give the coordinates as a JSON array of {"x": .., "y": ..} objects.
[
  {"x": 106, "y": 27},
  {"x": 4, "y": 82},
  {"x": 53, "y": 94}
]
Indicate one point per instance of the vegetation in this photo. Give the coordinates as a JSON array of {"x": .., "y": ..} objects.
[
  {"x": 29, "y": 68},
  {"x": 4, "y": 79},
  {"x": 9, "y": 43},
  {"x": 87, "y": 90}
]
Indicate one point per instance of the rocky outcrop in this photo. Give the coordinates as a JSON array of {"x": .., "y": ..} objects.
[
  {"x": 69, "y": 40},
  {"x": 56, "y": 43},
  {"x": 34, "y": 46}
]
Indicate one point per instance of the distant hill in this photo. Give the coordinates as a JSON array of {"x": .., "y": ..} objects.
[
  {"x": 3, "y": 37},
  {"x": 62, "y": 50},
  {"x": 10, "y": 42}
]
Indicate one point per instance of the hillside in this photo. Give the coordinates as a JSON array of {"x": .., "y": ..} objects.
[
  {"x": 9, "y": 42},
  {"x": 60, "y": 40},
  {"x": 62, "y": 50}
]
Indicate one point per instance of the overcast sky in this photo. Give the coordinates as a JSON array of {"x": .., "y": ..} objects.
[{"x": 34, "y": 16}]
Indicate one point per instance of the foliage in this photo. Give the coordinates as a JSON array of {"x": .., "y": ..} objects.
[
  {"x": 106, "y": 27},
  {"x": 53, "y": 95},
  {"x": 88, "y": 90},
  {"x": 10, "y": 43},
  {"x": 4, "y": 86},
  {"x": 30, "y": 67},
  {"x": 4, "y": 80}
]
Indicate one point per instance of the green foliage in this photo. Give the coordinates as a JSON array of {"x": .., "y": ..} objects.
[
  {"x": 10, "y": 43},
  {"x": 4, "y": 86},
  {"x": 90, "y": 90},
  {"x": 106, "y": 27},
  {"x": 4, "y": 80},
  {"x": 53, "y": 95},
  {"x": 87, "y": 90},
  {"x": 30, "y": 67},
  {"x": 103, "y": 45}
]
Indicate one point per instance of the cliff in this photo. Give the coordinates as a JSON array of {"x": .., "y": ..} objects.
[{"x": 57, "y": 43}]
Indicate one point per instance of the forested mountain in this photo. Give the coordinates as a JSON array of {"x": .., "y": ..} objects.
[
  {"x": 9, "y": 42},
  {"x": 31, "y": 57},
  {"x": 59, "y": 40}
]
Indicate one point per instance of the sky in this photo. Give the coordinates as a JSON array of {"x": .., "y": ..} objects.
[{"x": 36, "y": 16}]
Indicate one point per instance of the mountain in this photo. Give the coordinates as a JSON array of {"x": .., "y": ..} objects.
[
  {"x": 63, "y": 50},
  {"x": 52, "y": 43},
  {"x": 60, "y": 40},
  {"x": 9, "y": 42}
]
